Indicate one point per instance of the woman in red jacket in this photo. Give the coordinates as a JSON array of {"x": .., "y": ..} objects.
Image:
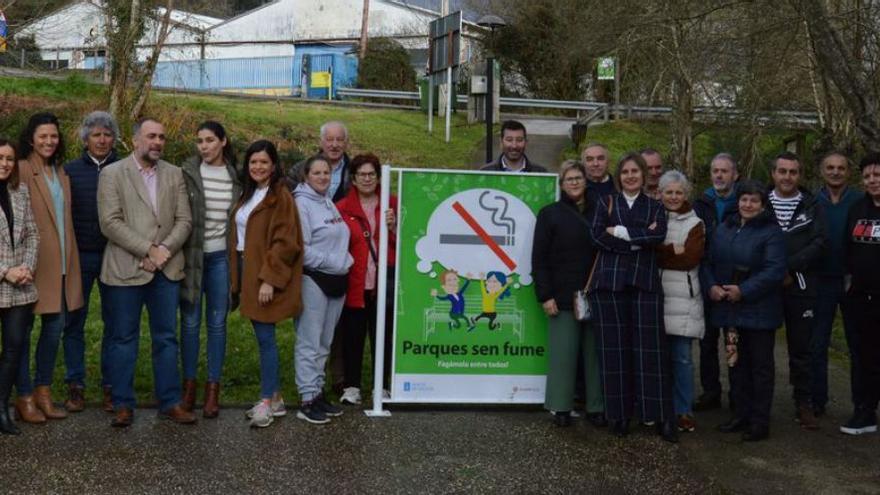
[{"x": 360, "y": 209}]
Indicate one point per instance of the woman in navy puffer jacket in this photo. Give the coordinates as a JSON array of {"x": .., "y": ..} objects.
[{"x": 744, "y": 274}]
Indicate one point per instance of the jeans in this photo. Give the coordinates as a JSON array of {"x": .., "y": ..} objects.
[
  {"x": 682, "y": 373},
  {"x": 74, "y": 332},
  {"x": 16, "y": 322},
  {"x": 51, "y": 326},
  {"x": 161, "y": 297},
  {"x": 269, "y": 376},
  {"x": 314, "y": 334},
  {"x": 215, "y": 288},
  {"x": 831, "y": 295}
]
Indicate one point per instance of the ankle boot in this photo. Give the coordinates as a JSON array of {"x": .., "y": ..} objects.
[
  {"x": 76, "y": 400},
  {"x": 107, "y": 399},
  {"x": 43, "y": 399},
  {"x": 7, "y": 425},
  {"x": 211, "y": 408},
  {"x": 188, "y": 401},
  {"x": 26, "y": 410}
]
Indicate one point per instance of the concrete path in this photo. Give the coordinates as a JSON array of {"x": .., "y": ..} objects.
[{"x": 434, "y": 449}]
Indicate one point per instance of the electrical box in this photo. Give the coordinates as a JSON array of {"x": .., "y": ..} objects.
[{"x": 479, "y": 85}]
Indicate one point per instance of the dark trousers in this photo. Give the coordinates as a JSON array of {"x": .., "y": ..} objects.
[
  {"x": 356, "y": 324},
  {"x": 831, "y": 296},
  {"x": 754, "y": 375},
  {"x": 799, "y": 324},
  {"x": 74, "y": 338},
  {"x": 866, "y": 316},
  {"x": 710, "y": 370},
  {"x": 16, "y": 323},
  {"x": 634, "y": 354}
]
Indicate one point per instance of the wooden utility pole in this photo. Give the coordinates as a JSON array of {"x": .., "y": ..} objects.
[{"x": 365, "y": 24}]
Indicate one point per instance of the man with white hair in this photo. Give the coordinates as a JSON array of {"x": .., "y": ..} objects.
[
  {"x": 334, "y": 147},
  {"x": 99, "y": 132}
]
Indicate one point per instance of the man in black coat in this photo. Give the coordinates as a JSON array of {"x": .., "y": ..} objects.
[
  {"x": 513, "y": 151},
  {"x": 334, "y": 147},
  {"x": 802, "y": 219},
  {"x": 714, "y": 206}
]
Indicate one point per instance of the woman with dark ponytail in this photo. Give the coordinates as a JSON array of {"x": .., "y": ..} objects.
[{"x": 213, "y": 186}]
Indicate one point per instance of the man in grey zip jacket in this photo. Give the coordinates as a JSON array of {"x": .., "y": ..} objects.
[{"x": 802, "y": 219}]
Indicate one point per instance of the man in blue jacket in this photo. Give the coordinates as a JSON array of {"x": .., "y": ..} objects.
[
  {"x": 99, "y": 133},
  {"x": 836, "y": 197},
  {"x": 802, "y": 219}
]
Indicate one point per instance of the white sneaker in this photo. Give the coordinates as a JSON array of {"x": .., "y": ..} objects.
[
  {"x": 351, "y": 396},
  {"x": 277, "y": 408},
  {"x": 262, "y": 415}
]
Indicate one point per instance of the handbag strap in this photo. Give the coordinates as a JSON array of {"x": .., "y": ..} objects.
[
  {"x": 596, "y": 259},
  {"x": 366, "y": 228}
]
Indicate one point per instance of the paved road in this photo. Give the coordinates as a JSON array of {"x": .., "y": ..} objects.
[{"x": 437, "y": 449}]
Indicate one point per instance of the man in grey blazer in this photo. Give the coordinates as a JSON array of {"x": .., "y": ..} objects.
[{"x": 144, "y": 213}]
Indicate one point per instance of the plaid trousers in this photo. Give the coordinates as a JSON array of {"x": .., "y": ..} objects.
[{"x": 634, "y": 354}]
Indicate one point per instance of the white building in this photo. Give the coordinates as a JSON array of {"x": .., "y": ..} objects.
[{"x": 73, "y": 36}]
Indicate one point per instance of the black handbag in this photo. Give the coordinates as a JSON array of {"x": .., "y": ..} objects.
[{"x": 331, "y": 285}]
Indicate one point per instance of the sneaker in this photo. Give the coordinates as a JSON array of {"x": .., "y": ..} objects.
[
  {"x": 311, "y": 412},
  {"x": 351, "y": 396},
  {"x": 331, "y": 410},
  {"x": 806, "y": 417},
  {"x": 863, "y": 421},
  {"x": 686, "y": 423},
  {"x": 262, "y": 415},
  {"x": 276, "y": 406}
]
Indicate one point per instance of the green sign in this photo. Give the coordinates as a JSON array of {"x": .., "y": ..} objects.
[
  {"x": 468, "y": 327},
  {"x": 605, "y": 68}
]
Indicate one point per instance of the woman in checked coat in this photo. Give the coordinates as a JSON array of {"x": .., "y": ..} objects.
[{"x": 628, "y": 302}]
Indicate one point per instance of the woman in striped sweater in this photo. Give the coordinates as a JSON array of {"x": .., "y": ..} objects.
[{"x": 212, "y": 185}]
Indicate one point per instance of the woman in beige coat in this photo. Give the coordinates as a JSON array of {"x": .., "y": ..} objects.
[{"x": 57, "y": 277}]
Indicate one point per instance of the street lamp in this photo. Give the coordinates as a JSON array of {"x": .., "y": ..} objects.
[{"x": 492, "y": 22}]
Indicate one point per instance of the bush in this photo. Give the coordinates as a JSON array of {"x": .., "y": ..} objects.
[{"x": 386, "y": 66}]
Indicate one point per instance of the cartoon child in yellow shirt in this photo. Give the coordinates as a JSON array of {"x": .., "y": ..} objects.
[{"x": 494, "y": 288}]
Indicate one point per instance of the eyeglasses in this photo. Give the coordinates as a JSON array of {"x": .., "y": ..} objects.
[
  {"x": 573, "y": 180},
  {"x": 365, "y": 175}
]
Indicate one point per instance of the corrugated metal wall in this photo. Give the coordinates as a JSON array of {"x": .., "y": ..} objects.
[{"x": 257, "y": 73}]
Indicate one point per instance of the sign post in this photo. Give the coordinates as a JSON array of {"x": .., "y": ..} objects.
[{"x": 443, "y": 65}]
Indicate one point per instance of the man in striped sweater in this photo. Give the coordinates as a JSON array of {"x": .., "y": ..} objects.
[{"x": 802, "y": 220}]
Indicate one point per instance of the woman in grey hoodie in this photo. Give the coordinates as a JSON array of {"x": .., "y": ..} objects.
[{"x": 326, "y": 262}]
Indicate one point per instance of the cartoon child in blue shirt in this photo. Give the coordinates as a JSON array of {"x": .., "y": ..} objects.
[{"x": 455, "y": 296}]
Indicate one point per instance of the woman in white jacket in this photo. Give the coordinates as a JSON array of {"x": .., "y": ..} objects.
[{"x": 679, "y": 260}]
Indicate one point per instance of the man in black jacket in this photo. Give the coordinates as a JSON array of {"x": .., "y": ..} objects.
[
  {"x": 334, "y": 147},
  {"x": 513, "y": 150},
  {"x": 803, "y": 220},
  {"x": 99, "y": 132},
  {"x": 714, "y": 206}
]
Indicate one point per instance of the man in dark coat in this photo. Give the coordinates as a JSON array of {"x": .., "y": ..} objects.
[
  {"x": 717, "y": 204},
  {"x": 513, "y": 151},
  {"x": 334, "y": 147}
]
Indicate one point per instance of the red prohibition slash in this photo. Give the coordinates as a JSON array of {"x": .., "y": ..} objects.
[{"x": 472, "y": 223}]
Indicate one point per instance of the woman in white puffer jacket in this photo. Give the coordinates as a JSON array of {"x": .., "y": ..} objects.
[{"x": 679, "y": 260}]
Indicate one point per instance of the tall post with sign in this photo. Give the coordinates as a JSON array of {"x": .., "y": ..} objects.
[
  {"x": 607, "y": 70},
  {"x": 443, "y": 64}
]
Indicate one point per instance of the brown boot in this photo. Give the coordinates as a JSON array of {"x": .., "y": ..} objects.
[
  {"x": 26, "y": 410},
  {"x": 107, "y": 401},
  {"x": 188, "y": 400},
  {"x": 211, "y": 408},
  {"x": 43, "y": 399},
  {"x": 76, "y": 400}
]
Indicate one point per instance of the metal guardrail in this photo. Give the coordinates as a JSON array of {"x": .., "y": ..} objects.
[{"x": 603, "y": 111}]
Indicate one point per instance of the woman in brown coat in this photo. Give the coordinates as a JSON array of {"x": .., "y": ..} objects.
[
  {"x": 265, "y": 246},
  {"x": 58, "y": 273}
]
